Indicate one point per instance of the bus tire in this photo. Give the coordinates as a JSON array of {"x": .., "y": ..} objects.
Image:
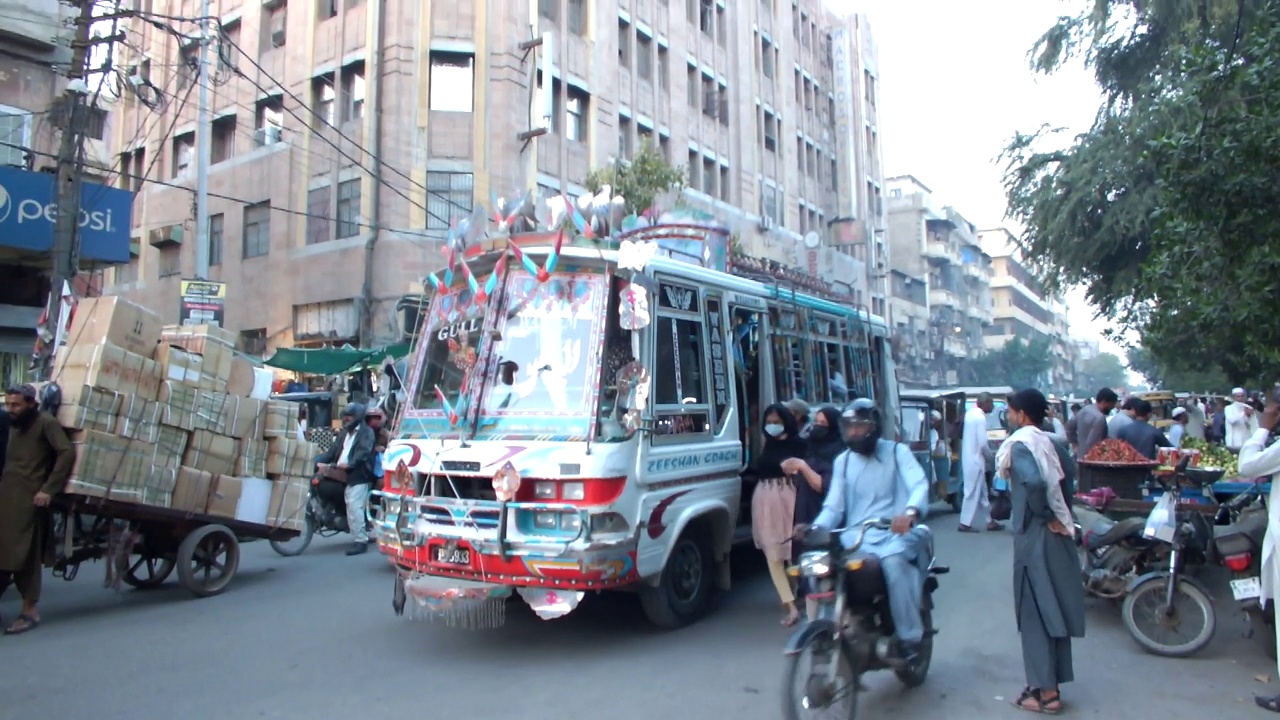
[{"x": 685, "y": 591}]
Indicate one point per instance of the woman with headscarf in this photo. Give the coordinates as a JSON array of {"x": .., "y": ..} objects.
[
  {"x": 813, "y": 475},
  {"x": 1048, "y": 595},
  {"x": 773, "y": 503}
]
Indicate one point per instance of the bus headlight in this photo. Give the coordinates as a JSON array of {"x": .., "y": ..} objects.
[
  {"x": 815, "y": 564},
  {"x": 573, "y": 491},
  {"x": 546, "y": 519},
  {"x": 544, "y": 490},
  {"x": 571, "y": 522}
]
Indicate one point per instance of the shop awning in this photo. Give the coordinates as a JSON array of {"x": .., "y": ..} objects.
[{"x": 333, "y": 361}]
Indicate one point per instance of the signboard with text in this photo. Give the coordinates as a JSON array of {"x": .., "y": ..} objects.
[
  {"x": 29, "y": 210},
  {"x": 203, "y": 303}
]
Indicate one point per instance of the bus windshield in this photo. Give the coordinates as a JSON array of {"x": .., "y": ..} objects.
[{"x": 531, "y": 370}]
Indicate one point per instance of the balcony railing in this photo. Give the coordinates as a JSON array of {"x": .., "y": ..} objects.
[{"x": 940, "y": 297}]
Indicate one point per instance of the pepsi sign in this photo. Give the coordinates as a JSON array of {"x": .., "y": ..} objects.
[{"x": 29, "y": 213}]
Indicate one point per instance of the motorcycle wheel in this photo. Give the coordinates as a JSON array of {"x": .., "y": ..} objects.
[
  {"x": 915, "y": 674},
  {"x": 1193, "y": 617},
  {"x": 296, "y": 546},
  {"x": 806, "y": 693}
]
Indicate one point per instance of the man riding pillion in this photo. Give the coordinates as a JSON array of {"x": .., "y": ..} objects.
[
  {"x": 352, "y": 458},
  {"x": 877, "y": 478}
]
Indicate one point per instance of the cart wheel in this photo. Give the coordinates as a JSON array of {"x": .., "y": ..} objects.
[
  {"x": 144, "y": 571},
  {"x": 208, "y": 559}
]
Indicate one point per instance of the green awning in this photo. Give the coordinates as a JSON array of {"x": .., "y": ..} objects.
[{"x": 333, "y": 361}]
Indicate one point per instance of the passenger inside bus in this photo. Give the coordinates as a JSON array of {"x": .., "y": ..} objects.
[{"x": 614, "y": 404}]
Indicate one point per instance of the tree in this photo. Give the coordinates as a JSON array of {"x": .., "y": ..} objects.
[
  {"x": 1019, "y": 364},
  {"x": 639, "y": 180},
  {"x": 1165, "y": 209},
  {"x": 1101, "y": 370},
  {"x": 1161, "y": 375}
]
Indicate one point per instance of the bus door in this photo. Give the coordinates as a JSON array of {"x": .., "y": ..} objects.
[{"x": 751, "y": 370}]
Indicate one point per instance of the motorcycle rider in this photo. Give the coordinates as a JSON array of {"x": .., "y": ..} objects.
[
  {"x": 878, "y": 478},
  {"x": 352, "y": 455}
]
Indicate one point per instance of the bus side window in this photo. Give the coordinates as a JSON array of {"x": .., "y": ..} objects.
[{"x": 681, "y": 387}]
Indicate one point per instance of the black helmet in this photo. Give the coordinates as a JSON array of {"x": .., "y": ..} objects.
[
  {"x": 355, "y": 411},
  {"x": 860, "y": 426}
]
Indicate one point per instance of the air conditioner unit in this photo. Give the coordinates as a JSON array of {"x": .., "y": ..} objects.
[
  {"x": 268, "y": 135},
  {"x": 766, "y": 223},
  {"x": 277, "y": 38}
]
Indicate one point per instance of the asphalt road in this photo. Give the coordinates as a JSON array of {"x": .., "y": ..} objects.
[{"x": 314, "y": 638}]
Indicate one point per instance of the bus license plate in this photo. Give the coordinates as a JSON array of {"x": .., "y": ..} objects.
[
  {"x": 1246, "y": 588},
  {"x": 451, "y": 556}
]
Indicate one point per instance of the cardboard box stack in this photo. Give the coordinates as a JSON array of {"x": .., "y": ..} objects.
[{"x": 166, "y": 416}]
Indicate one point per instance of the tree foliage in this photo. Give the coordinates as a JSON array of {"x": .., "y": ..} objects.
[
  {"x": 1019, "y": 364},
  {"x": 1166, "y": 210},
  {"x": 1101, "y": 370},
  {"x": 640, "y": 180},
  {"x": 1177, "y": 378}
]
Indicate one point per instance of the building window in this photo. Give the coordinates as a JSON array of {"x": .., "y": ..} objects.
[
  {"x": 169, "y": 261},
  {"x": 695, "y": 87},
  {"x": 549, "y": 9},
  {"x": 694, "y": 168},
  {"x": 215, "y": 239},
  {"x": 253, "y": 342},
  {"x": 449, "y": 195},
  {"x": 353, "y": 92},
  {"x": 722, "y": 97},
  {"x": 664, "y": 147},
  {"x": 327, "y": 9},
  {"x": 725, "y": 186},
  {"x": 576, "y": 117},
  {"x": 15, "y": 136},
  {"x": 624, "y": 44},
  {"x": 257, "y": 230},
  {"x": 645, "y": 134},
  {"x": 770, "y": 131},
  {"x": 184, "y": 149},
  {"x": 268, "y": 121},
  {"x": 577, "y": 12},
  {"x": 706, "y": 17},
  {"x": 273, "y": 29},
  {"x": 644, "y": 56},
  {"x": 709, "y": 176},
  {"x": 664, "y": 68},
  {"x": 710, "y": 102},
  {"x": 318, "y": 221},
  {"x": 322, "y": 98},
  {"x": 348, "y": 208},
  {"x": 722, "y": 28},
  {"x": 452, "y": 82},
  {"x": 766, "y": 58},
  {"x": 625, "y": 147},
  {"x": 188, "y": 64},
  {"x": 222, "y": 145}
]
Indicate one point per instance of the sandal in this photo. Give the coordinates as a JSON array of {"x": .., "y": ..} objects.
[
  {"x": 966, "y": 529},
  {"x": 1033, "y": 701},
  {"x": 24, "y": 623},
  {"x": 1268, "y": 703},
  {"x": 994, "y": 526}
]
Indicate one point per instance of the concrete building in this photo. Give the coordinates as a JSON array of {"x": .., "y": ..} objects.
[
  {"x": 35, "y": 47},
  {"x": 350, "y": 134},
  {"x": 940, "y": 300}
]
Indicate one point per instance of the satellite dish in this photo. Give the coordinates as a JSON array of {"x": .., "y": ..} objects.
[{"x": 812, "y": 240}]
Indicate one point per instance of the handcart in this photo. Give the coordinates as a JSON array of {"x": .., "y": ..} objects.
[{"x": 143, "y": 544}]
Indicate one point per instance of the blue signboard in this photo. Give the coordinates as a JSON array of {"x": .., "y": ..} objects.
[{"x": 28, "y": 212}]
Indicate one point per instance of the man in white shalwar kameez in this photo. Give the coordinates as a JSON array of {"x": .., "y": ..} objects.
[
  {"x": 1241, "y": 421},
  {"x": 1259, "y": 461},
  {"x": 975, "y": 456}
]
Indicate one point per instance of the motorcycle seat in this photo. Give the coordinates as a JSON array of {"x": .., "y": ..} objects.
[{"x": 1129, "y": 527}]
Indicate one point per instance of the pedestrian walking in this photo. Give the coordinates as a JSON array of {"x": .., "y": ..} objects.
[
  {"x": 813, "y": 478},
  {"x": 1048, "y": 595},
  {"x": 975, "y": 451},
  {"x": 38, "y": 461},
  {"x": 773, "y": 502}
]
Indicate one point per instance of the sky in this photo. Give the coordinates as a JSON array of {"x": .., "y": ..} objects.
[{"x": 956, "y": 85}]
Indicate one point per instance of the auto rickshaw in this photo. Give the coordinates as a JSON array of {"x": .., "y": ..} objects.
[
  {"x": 1162, "y": 406},
  {"x": 916, "y": 406},
  {"x": 320, "y": 416}
]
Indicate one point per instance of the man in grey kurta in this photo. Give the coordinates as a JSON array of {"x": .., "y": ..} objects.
[
  {"x": 1091, "y": 421},
  {"x": 1048, "y": 594},
  {"x": 875, "y": 479}
]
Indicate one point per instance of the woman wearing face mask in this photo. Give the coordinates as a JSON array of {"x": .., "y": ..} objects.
[
  {"x": 1048, "y": 595},
  {"x": 813, "y": 474},
  {"x": 773, "y": 503}
]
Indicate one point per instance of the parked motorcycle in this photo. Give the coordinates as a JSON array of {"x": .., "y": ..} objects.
[
  {"x": 853, "y": 632},
  {"x": 1241, "y": 525},
  {"x": 1166, "y": 611}
]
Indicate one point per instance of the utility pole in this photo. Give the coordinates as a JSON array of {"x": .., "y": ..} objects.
[
  {"x": 66, "y": 229},
  {"x": 204, "y": 147}
]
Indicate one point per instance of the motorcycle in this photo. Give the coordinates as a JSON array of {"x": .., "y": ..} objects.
[
  {"x": 1121, "y": 560},
  {"x": 853, "y": 633},
  {"x": 1241, "y": 525},
  {"x": 324, "y": 514}
]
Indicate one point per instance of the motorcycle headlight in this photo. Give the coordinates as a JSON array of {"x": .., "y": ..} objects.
[{"x": 815, "y": 564}]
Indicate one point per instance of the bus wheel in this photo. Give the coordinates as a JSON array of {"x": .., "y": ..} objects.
[{"x": 685, "y": 591}]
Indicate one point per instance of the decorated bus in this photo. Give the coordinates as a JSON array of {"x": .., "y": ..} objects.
[{"x": 583, "y": 411}]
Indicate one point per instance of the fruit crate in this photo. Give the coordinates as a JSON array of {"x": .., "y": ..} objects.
[{"x": 1126, "y": 481}]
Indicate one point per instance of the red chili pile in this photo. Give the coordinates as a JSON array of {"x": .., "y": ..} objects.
[{"x": 1117, "y": 452}]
